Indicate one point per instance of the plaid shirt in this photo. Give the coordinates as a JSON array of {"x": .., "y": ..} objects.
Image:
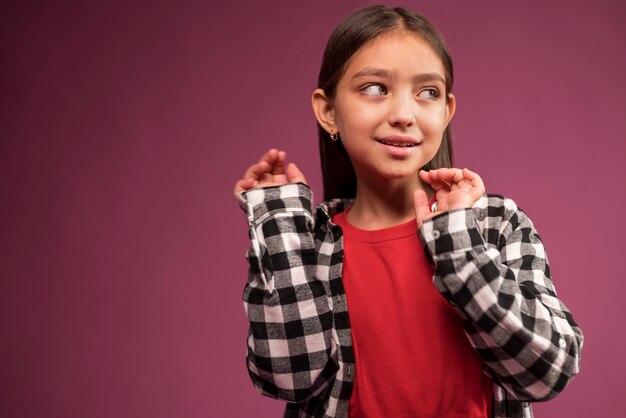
[{"x": 489, "y": 263}]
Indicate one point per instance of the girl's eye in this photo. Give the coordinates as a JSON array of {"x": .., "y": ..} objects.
[
  {"x": 374, "y": 90},
  {"x": 430, "y": 93}
]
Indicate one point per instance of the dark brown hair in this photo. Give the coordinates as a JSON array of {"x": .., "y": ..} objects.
[{"x": 352, "y": 34}]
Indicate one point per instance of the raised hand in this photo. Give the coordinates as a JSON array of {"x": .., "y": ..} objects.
[
  {"x": 269, "y": 171},
  {"x": 454, "y": 188}
]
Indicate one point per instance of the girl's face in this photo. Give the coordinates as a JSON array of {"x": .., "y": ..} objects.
[{"x": 390, "y": 106}]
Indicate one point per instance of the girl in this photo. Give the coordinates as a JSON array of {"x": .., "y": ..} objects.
[{"x": 409, "y": 292}]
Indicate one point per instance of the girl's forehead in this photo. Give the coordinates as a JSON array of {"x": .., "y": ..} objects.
[{"x": 399, "y": 50}]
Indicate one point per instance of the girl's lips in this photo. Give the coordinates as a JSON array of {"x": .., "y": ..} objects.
[
  {"x": 399, "y": 146},
  {"x": 399, "y": 140},
  {"x": 398, "y": 150}
]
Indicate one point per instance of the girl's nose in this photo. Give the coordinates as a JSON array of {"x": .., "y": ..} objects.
[{"x": 402, "y": 111}]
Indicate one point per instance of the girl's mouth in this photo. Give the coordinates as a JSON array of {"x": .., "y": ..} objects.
[{"x": 398, "y": 144}]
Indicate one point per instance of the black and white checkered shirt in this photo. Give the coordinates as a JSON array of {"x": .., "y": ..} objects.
[{"x": 489, "y": 263}]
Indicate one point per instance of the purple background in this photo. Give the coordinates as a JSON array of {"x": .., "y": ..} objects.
[{"x": 124, "y": 126}]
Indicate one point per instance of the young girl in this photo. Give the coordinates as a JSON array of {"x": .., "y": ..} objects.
[{"x": 409, "y": 292}]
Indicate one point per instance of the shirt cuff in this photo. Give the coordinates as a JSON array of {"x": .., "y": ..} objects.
[
  {"x": 451, "y": 232},
  {"x": 261, "y": 201}
]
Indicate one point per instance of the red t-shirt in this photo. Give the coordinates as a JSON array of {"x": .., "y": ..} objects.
[{"x": 412, "y": 356}]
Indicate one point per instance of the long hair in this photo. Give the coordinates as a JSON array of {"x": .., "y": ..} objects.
[{"x": 353, "y": 33}]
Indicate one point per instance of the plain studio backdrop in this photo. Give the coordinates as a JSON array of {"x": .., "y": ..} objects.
[{"x": 124, "y": 125}]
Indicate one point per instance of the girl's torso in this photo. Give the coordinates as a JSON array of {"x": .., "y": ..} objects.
[{"x": 412, "y": 356}]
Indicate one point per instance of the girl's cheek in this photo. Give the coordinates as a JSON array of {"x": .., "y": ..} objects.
[{"x": 436, "y": 118}]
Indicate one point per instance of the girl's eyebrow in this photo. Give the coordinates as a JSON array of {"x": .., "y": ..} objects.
[
  {"x": 391, "y": 75},
  {"x": 378, "y": 72}
]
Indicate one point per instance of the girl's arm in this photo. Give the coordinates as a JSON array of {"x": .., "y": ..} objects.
[
  {"x": 491, "y": 264},
  {"x": 289, "y": 346}
]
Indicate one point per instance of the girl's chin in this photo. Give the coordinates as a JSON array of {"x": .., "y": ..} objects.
[
  {"x": 401, "y": 175},
  {"x": 389, "y": 173}
]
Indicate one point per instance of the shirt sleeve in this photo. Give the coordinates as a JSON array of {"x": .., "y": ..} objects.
[
  {"x": 291, "y": 354},
  {"x": 491, "y": 264}
]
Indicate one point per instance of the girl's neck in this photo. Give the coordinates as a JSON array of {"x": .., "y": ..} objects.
[{"x": 385, "y": 203}]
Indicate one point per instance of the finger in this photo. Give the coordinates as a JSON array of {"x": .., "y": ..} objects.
[
  {"x": 455, "y": 178},
  {"x": 442, "y": 200},
  {"x": 478, "y": 187},
  {"x": 422, "y": 210},
  {"x": 270, "y": 156},
  {"x": 243, "y": 185},
  {"x": 438, "y": 185},
  {"x": 463, "y": 185},
  {"x": 423, "y": 174},
  {"x": 432, "y": 174},
  {"x": 266, "y": 178},
  {"x": 432, "y": 180},
  {"x": 473, "y": 177},
  {"x": 276, "y": 161},
  {"x": 450, "y": 175},
  {"x": 255, "y": 171},
  {"x": 279, "y": 163},
  {"x": 437, "y": 177},
  {"x": 294, "y": 175}
]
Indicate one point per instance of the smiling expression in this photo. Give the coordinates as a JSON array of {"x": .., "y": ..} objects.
[{"x": 390, "y": 106}]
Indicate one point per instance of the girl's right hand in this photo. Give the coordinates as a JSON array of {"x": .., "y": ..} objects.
[
  {"x": 454, "y": 189},
  {"x": 269, "y": 171}
]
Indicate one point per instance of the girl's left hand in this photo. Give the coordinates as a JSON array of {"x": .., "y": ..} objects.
[{"x": 454, "y": 188}]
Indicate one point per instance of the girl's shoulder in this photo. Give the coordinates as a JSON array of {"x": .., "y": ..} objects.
[{"x": 332, "y": 207}]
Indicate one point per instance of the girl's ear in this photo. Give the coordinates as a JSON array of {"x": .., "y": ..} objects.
[
  {"x": 450, "y": 108},
  {"x": 324, "y": 110}
]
